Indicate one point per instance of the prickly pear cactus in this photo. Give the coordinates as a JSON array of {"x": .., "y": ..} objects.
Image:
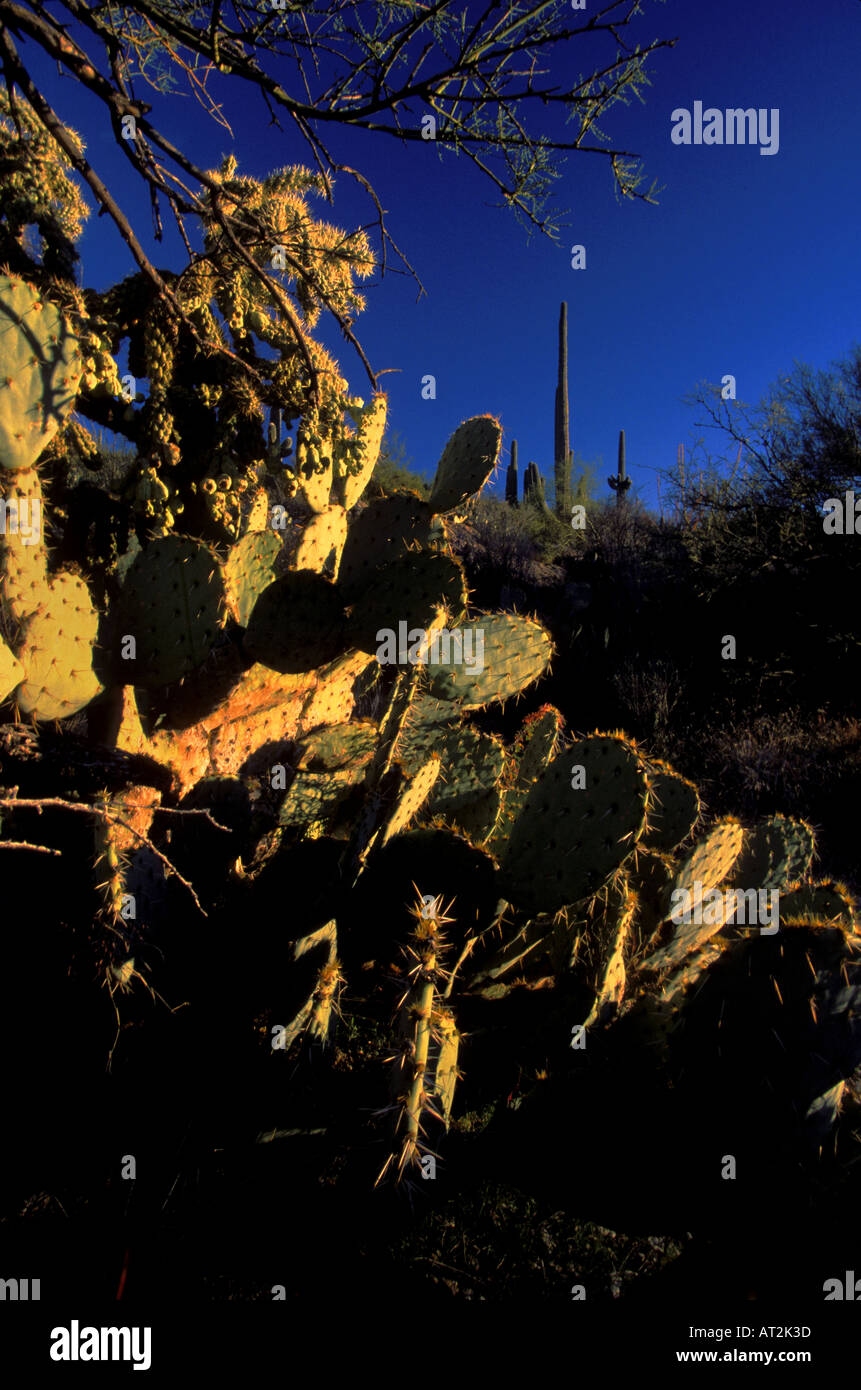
[{"x": 40, "y": 372}]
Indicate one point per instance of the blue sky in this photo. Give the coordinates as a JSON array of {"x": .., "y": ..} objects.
[{"x": 748, "y": 263}]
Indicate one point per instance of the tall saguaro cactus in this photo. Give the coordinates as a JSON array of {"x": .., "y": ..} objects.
[
  {"x": 533, "y": 487},
  {"x": 562, "y": 449},
  {"x": 621, "y": 482},
  {"x": 511, "y": 477}
]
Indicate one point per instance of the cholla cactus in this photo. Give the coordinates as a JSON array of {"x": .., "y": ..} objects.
[{"x": 424, "y": 1069}]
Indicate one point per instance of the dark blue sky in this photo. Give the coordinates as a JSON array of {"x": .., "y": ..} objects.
[{"x": 749, "y": 262}]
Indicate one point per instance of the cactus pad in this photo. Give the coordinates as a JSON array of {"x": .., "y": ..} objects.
[
  {"x": 516, "y": 651},
  {"x": 57, "y": 652},
  {"x": 468, "y": 459},
  {"x": 172, "y": 605},
  {"x": 421, "y": 591},
  {"x": 776, "y": 853},
  {"x": 313, "y": 796},
  {"x": 247, "y": 571},
  {"x": 412, "y": 798},
  {"x": 567, "y": 843},
  {"x": 472, "y": 763},
  {"x": 352, "y": 476},
  {"x": 40, "y": 372},
  {"x": 827, "y": 902},
  {"x": 708, "y": 864},
  {"x": 322, "y": 541},
  {"x": 298, "y": 624},
  {"x": 11, "y": 671},
  {"x": 384, "y": 530},
  {"x": 674, "y": 807},
  {"x": 337, "y": 746}
]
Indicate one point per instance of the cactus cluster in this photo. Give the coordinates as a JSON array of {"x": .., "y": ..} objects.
[{"x": 218, "y": 659}]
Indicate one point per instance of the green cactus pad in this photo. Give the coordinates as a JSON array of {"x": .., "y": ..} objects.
[
  {"x": 338, "y": 746},
  {"x": 674, "y": 807},
  {"x": 172, "y": 605},
  {"x": 421, "y": 591},
  {"x": 566, "y": 842},
  {"x": 11, "y": 671},
  {"x": 425, "y": 712},
  {"x": 472, "y": 763},
  {"x": 516, "y": 651},
  {"x": 384, "y": 530},
  {"x": 351, "y": 478},
  {"x": 298, "y": 624},
  {"x": 776, "y": 853},
  {"x": 468, "y": 459},
  {"x": 315, "y": 795},
  {"x": 827, "y": 902},
  {"x": 536, "y": 743},
  {"x": 322, "y": 541},
  {"x": 247, "y": 571},
  {"x": 478, "y": 819},
  {"x": 57, "y": 652},
  {"x": 412, "y": 799},
  {"x": 40, "y": 372},
  {"x": 708, "y": 864}
]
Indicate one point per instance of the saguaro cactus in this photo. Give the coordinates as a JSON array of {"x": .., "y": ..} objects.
[
  {"x": 533, "y": 486},
  {"x": 511, "y": 477},
  {"x": 620, "y": 483},
  {"x": 562, "y": 450}
]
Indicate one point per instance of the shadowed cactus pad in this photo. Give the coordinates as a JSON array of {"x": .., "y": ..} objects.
[
  {"x": 384, "y": 530},
  {"x": 472, "y": 763},
  {"x": 315, "y": 795},
  {"x": 776, "y": 853},
  {"x": 831, "y": 903},
  {"x": 298, "y": 624},
  {"x": 568, "y": 838},
  {"x": 421, "y": 591},
  {"x": 40, "y": 371},
  {"x": 172, "y": 606},
  {"x": 467, "y": 462},
  {"x": 674, "y": 807},
  {"x": 337, "y": 746}
]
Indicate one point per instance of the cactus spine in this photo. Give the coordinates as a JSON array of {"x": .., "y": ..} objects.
[{"x": 562, "y": 452}]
